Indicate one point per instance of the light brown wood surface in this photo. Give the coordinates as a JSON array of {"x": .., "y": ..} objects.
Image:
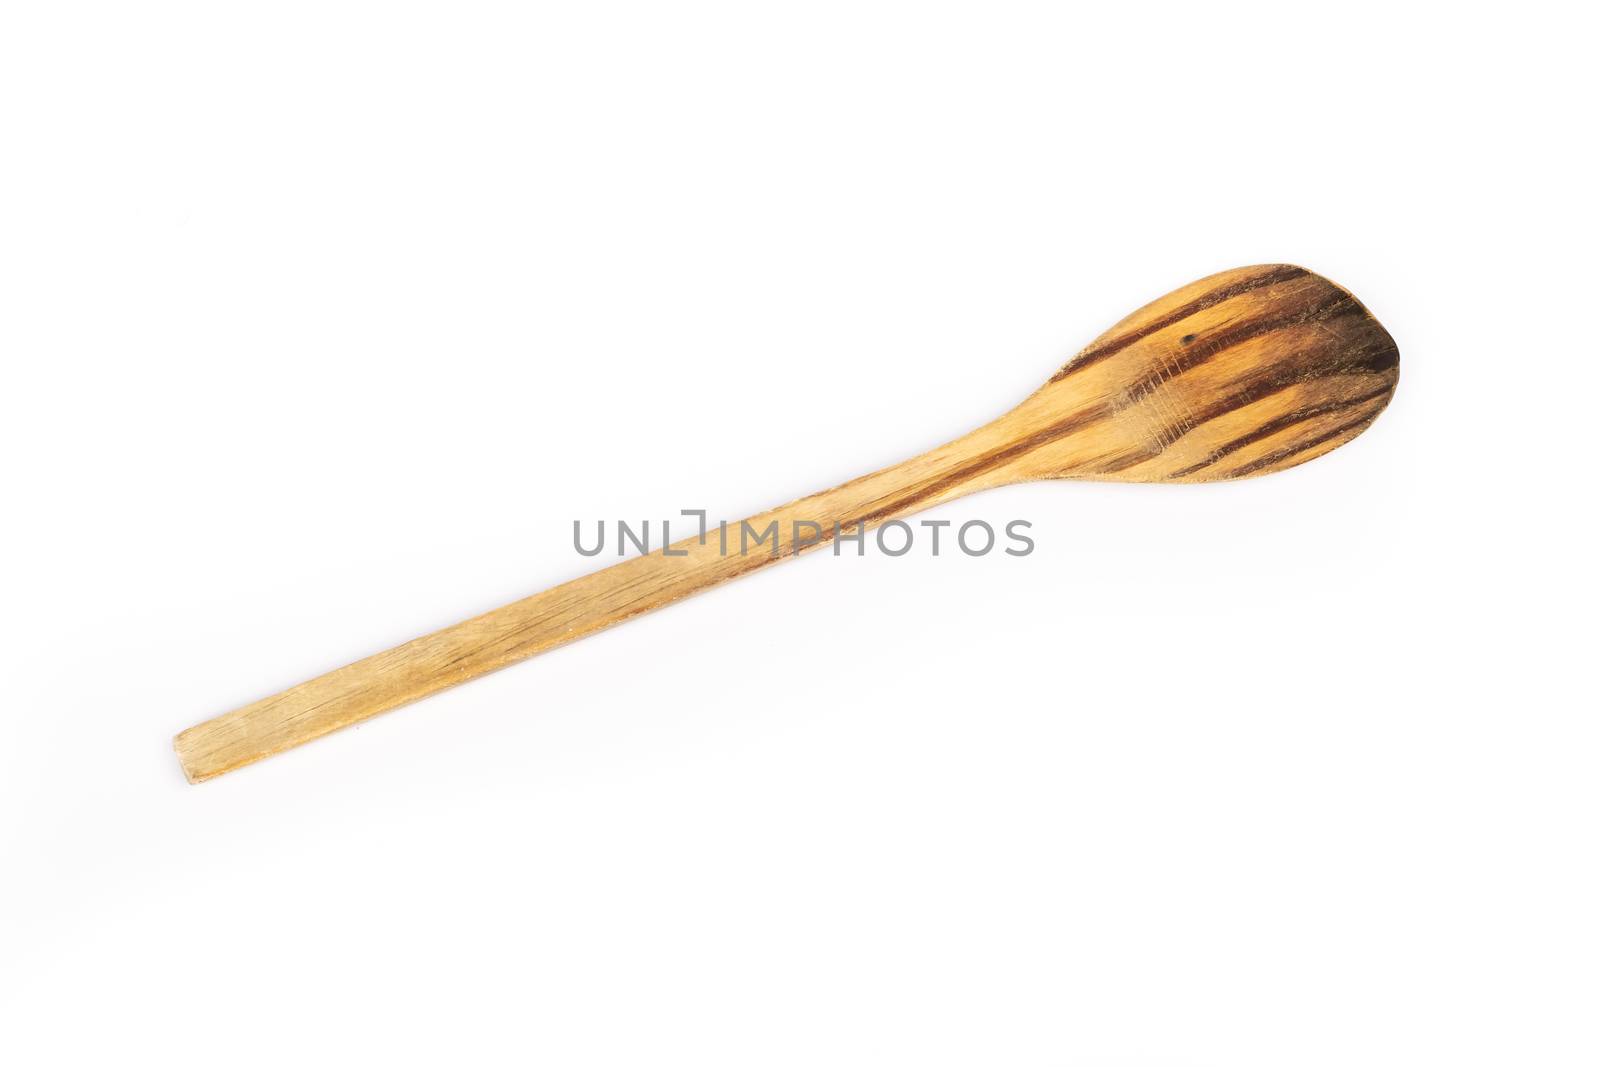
[{"x": 1243, "y": 373}]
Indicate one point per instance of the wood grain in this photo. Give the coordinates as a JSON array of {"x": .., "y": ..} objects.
[{"x": 1243, "y": 373}]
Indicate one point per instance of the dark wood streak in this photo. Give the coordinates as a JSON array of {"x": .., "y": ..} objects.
[
  {"x": 988, "y": 462},
  {"x": 1257, "y": 390},
  {"x": 1131, "y": 457},
  {"x": 1110, "y": 347},
  {"x": 1274, "y": 459},
  {"x": 1332, "y": 305},
  {"x": 1311, "y": 364},
  {"x": 1376, "y": 357},
  {"x": 1279, "y": 424}
]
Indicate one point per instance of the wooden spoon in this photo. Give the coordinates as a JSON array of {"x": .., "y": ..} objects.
[{"x": 1245, "y": 372}]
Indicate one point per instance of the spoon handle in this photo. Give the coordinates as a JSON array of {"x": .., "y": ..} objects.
[{"x": 567, "y": 612}]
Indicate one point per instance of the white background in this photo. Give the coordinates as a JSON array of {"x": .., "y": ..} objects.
[{"x": 321, "y": 323}]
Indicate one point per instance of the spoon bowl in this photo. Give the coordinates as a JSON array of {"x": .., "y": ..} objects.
[{"x": 1243, "y": 373}]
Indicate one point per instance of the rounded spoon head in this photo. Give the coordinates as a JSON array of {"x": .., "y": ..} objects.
[{"x": 1246, "y": 372}]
